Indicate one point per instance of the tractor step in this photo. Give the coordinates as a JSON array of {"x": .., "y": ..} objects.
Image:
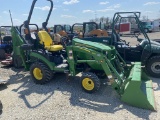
[
  {"x": 7, "y": 62},
  {"x": 63, "y": 65},
  {"x": 9, "y": 59}
]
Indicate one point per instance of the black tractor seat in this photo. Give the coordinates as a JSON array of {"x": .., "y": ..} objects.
[{"x": 7, "y": 39}]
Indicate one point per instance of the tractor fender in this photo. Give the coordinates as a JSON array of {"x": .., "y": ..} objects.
[
  {"x": 155, "y": 48},
  {"x": 147, "y": 53},
  {"x": 37, "y": 56},
  {"x": 145, "y": 56}
]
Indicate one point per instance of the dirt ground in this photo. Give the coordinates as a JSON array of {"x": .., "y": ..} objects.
[{"x": 65, "y": 100}]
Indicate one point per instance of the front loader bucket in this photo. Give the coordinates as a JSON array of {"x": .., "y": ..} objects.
[{"x": 138, "y": 91}]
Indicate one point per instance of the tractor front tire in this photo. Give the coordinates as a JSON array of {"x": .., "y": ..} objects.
[
  {"x": 2, "y": 54},
  {"x": 40, "y": 73},
  {"x": 153, "y": 66},
  {"x": 90, "y": 83}
]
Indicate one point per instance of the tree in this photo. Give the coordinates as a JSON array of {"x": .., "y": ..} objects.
[
  {"x": 104, "y": 20},
  {"x": 92, "y": 20},
  {"x": 124, "y": 20},
  {"x": 131, "y": 20},
  {"x": 144, "y": 18}
]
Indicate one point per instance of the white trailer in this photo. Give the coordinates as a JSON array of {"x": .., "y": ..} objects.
[{"x": 156, "y": 24}]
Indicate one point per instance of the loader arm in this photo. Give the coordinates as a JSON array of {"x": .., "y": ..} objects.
[{"x": 18, "y": 40}]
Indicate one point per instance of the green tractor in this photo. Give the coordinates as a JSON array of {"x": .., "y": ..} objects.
[
  {"x": 59, "y": 28},
  {"x": 147, "y": 51},
  {"x": 93, "y": 60},
  {"x": 89, "y": 29},
  {"x": 62, "y": 34}
]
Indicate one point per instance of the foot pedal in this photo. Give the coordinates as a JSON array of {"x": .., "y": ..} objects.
[{"x": 62, "y": 66}]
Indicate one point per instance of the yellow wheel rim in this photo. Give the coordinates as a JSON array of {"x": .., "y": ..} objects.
[
  {"x": 37, "y": 73},
  {"x": 88, "y": 84}
]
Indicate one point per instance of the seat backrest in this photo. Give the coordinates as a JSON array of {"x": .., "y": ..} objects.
[
  {"x": 45, "y": 38},
  {"x": 116, "y": 37}
]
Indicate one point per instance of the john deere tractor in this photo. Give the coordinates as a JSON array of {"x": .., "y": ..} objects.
[
  {"x": 62, "y": 34},
  {"x": 89, "y": 29},
  {"x": 63, "y": 30},
  {"x": 89, "y": 58},
  {"x": 147, "y": 51}
]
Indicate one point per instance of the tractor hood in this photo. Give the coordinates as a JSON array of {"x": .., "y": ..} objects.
[{"x": 93, "y": 45}]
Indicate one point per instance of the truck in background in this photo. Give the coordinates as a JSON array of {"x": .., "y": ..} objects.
[
  {"x": 148, "y": 26},
  {"x": 156, "y": 24}
]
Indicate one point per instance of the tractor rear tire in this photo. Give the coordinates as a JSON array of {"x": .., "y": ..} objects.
[
  {"x": 2, "y": 54},
  {"x": 1, "y": 106},
  {"x": 90, "y": 83},
  {"x": 17, "y": 61},
  {"x": 40, "y": 73},
  {"x": 153, "y": 66}
]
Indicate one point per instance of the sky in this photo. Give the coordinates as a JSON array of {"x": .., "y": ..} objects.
[{"x": 73, "y": 11}]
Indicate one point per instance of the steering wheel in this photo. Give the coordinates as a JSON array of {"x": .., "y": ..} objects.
[{"x": 65, "y": 41}]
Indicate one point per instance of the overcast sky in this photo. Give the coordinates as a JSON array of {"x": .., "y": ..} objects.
[{"x": 73, "y": 11}]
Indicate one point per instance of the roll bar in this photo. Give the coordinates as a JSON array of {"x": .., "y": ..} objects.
[
  {"x": 44, "y": 24},
  {"x": 136, "y": 16}
]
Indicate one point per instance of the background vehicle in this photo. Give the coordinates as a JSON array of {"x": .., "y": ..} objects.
[
  {"x": 62, "y": 34},
  {"x": 147, "y": 26},
  {"x": 59, "y": 28},
  {"x": 90, "y": 29},
  {"x": 5, "y": 41}
]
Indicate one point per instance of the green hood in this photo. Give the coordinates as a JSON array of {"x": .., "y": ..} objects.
[{"x": 92, "y": 45}]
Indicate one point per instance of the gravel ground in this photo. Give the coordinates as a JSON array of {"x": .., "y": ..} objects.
[{"x": 65, "y": 100}]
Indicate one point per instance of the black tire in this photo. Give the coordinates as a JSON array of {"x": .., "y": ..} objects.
[
  {"x": 17, "y": 61},
  {"x": 45, "y": 71},
  {"x": 153, "y": 66},
  {"x": 1, "y": 107},
  {"x": 90, "y": 83},
  {"x": 2, "y": 54}
]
